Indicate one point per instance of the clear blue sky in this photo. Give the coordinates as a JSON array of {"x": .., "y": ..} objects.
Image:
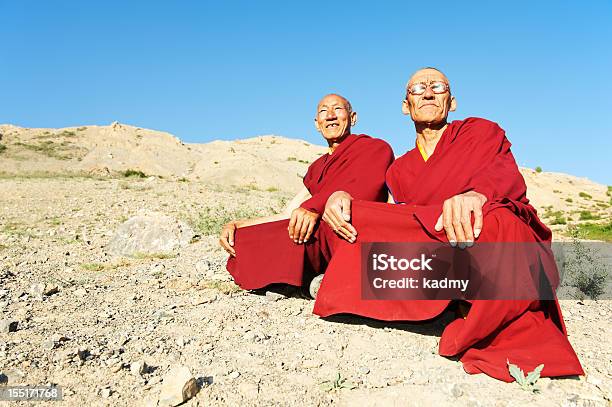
[{"x": 234, "y": 69}]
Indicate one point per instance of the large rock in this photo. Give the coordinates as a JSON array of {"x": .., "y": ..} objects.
[
  {"x": 178, "y": 386},
  {"x": 150, "y": 233}
]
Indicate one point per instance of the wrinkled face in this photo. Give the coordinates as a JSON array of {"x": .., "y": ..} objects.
[
  {"x": 334, "y": 117},
  {"x": 429, "y": 107}
]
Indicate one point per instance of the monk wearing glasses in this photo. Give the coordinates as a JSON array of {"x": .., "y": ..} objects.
[
  {"x": 459, "y": 186},
  {"x": 293, "y": 247}
]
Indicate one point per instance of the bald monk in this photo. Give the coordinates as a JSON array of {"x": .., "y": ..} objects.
[
  {"x": 460, "y": 185},
  {"x": 290, "y": 247}
]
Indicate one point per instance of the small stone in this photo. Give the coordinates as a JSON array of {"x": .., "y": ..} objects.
[
  {"x": 116, "y": 367},
  {"x": 123, "y": 339},
  {"x": 593, "y": 380},
  {"x": 80, "y": 292},
  {"x": 157, "y": 268},
  {"x": 311, "y": 364},
  {"x": 456, "y": 390},
  {"x": 364, "y": 370},
  {"x": 83, "y": 353},
  {"x": 48, "y": 344},
  {"x": 154, "y": 380},
  {"x": 234, "y": 375},
  {"x": 178, "y": 386},
  {"x": 8, "y": 325},
  {"x": 138, "y": 368},
  {"x": 51, "y": 289},
  {"x": 106, "y": 393},
  {"x": 272, "y": 296},
  {"x": 180, "y": 341},
  {"x": 59, "y": 338},
  {"x": 248, "y": 390},
  {"x": 37, "y": 290}
]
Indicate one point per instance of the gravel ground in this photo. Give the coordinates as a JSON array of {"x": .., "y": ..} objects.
[{"x": 109, "y": 315}]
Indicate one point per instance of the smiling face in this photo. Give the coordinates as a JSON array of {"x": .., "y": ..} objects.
[
  {"x": 334, "y": 118},
  {"x": 428, "y": 108}
]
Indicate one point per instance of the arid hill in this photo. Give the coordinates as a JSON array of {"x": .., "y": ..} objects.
[{"x": 265, "y": 162}]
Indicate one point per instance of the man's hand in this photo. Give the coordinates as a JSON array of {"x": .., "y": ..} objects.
[
  {"x": 227, "y": 238},
  {"x": 301, "y": 224},
  {"x": 338, "y": 214},
  {"x": 456, "y": 218}
]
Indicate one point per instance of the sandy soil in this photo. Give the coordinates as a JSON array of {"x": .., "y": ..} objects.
[{"x": 244, "y": 348}]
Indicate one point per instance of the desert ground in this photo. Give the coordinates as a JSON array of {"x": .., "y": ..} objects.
[{"x": 108, "y": 328}]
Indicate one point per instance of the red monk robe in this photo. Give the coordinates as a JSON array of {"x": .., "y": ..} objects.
[
  {"x": 266, "y": 255},
  {"x": 472, "y": 154}
]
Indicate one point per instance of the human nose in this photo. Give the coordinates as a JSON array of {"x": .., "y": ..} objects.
[
  {"x": 330, "y": 114},
  {"x": 429, "y": 93}
]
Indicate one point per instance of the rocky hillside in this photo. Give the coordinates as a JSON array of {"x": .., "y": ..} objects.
[{"x": 264, "y": 162}]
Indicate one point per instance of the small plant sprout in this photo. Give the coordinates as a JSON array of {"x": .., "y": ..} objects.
[
  {"x": 527, "y": 383},
  {"x": 338, "y": 383}
]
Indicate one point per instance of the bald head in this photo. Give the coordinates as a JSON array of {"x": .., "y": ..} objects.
[
  {"x": 335, "y": 97},
  {"x": 426, "y": 75}
]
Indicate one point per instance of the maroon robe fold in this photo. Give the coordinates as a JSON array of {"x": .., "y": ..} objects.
[
  {"x": 473, "y": 154},
  {"x": 266, "y": 255},
  {"x": 357, "y": 166}
]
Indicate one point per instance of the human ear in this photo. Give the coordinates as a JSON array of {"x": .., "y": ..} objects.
[
  {"x": 453, "y": 104},
  {"x": 353, "y": 118},
  {"x": 405, "y": 107},
  {"x": 317, "y": 125}
]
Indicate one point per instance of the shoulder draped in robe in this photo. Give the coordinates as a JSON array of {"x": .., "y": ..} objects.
[
  {"x": 472, "y": 155},
  {"x": 357, "y": 166}
]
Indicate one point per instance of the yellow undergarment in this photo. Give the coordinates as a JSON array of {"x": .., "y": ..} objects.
[{"x": 422, "y": 151}]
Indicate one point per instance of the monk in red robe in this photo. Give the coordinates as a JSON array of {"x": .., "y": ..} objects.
[
  {"x": 461, "y": 185},
  {"x": 290, "y": 247}
]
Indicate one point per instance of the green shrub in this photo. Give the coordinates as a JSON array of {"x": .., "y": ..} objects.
[
  {"x": 291, "y": 159},
  {"x": 60, "y": 151},
  {"x": 159, "y": 255},
  {"x": 527, "y": 382},
  {"x": 2, "y": 148},
  {"x": 134, "y": 173},
  {"x": 93, "y": 266},
  {"x": 210, "y": 221},
  {"x": 595, "y": 231},
  {"x": 558, "y": 220},
  {"x": 586, "y": 215},
  {"x": 570, "y": 200},
  {"x": 584, "y": 195},
  {"x": 538, "y": 169},
  {"x": 584, "y": 269}
]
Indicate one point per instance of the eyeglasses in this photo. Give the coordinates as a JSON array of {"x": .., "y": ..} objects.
[{"x": 436, "y": 87}]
